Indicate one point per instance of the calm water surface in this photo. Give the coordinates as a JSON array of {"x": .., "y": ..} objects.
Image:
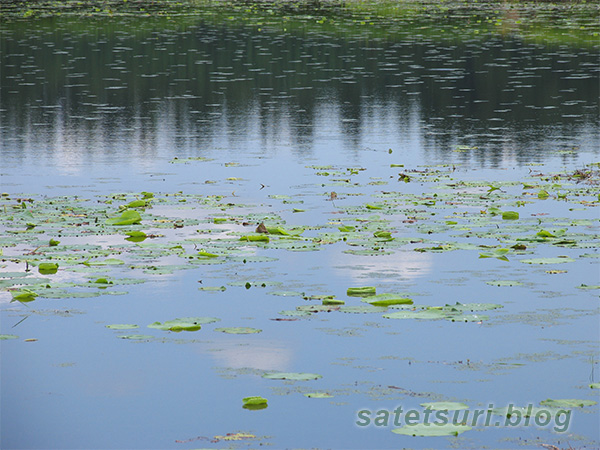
[{"x": 105, "y": 106}]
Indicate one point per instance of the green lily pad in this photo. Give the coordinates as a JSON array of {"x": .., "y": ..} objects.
[
  {"x": 251, "y": 402},
  {"x": 4, "y": 337},
  {"x": 127, "y": 217},
  {"x": 106, "y": 262},
  {"x": 122, "y": 326},
  {"x": 255, "y": 238},
  {"x": 138, "y": 204},
  {"x": 287, "y": 293},
  {"x": 567, "y": 403},
  {"x": 318, "y": 395},
  {"x": 292, "y": 376},
  {"x": 364, "y": 291},
  {"x": 595, "y": 385},
  {"x": 432, "y": 429},
  {"x": 135, "y": 337},
  {"x": 47, "y": 268},
  {"x": 510, "y": 215},
  {"x": 363, "y": 309},
  {"x": 238, "y": 330},
  {"x": 499, "y": 253},
  {"x": 508, "y": 411},
  {"x": 387, "y": 300},
  {"x": 295, "y": 313},
  {"x": 588, "y": 286},
  {"x": 332, "y": 301},
  {"x": 135, "y": 236},
  {"x": 183, "y": 324},
  {"x": 468, "y": 318},
  {"x": 445, "y": 406},
  {"x": 212, "y": 288},
  {"x": 23, "y": 296},
  {"x": 504, "y": 283},
  {"x": 557, "y": 260},
  {"x": 473, "y": 306},
  {"x": 423, "y": 315}
]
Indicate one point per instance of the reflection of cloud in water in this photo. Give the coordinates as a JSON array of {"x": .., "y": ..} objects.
[
  {"x": 401, "y": 265},
  {"x": 262, "y": 355}
]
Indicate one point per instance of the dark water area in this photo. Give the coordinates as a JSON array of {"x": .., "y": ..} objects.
[
  {"x": 126, "y": 82},
  {"x": 454, "y": 167}
]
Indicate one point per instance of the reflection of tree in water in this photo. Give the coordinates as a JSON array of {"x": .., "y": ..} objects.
[{"x": 210, "y": 86}]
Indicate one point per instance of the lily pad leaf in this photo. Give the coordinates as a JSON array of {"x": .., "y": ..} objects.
[
  {"x": 48, "y": 268},
  {"x": 363, "y": 309},
  {"x": 23, "y": 296},
  {"x": 287, "y": 293},
  {"x": 432, "y": 429},
  {"x": 468, "y": 318},
  {"x": 255, "y": 238},
  {"x": 387, "y": 300},
  {"x": 8, "y": 336},
  {"x": 295, "y": 376},
  {"x": 445, "y": 406},
  {"x": 106, "y": 262},
  {"x": 567, "y": 403},
  {"x": 365, "y": 291},
  {"x": 543, "y": 194},
  {"x": 595, "y": 386},
  {"x": 510, "y": 215},
  {"x": 135, "y": 337},
  {"x": 238, "y": 330},
  {"x": 499, "y": 253},
  {"x": 183, "y": 324},
  {"x": 504, "y": 283},
  {"x": 318, "y": 395},
  {"x": 332, "y": 301},
  {"x": 122, "y": 326},
  {"x": 508, "y": 411},
  {"x": 138, "y": 204},
  {"x": 424, "y": 315},
  {"x": 127, "y": 217},
  {"x": 254, "y": 402},
  {"x": 136, "y": 236},
  {"x": 557, "y": 260},
  {"x": 473, "y": 306}
]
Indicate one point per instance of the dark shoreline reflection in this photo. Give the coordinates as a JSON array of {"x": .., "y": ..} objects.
[{"x": 114, "y": 91}]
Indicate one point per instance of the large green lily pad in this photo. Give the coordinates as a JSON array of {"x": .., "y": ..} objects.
[{"x": 127, "y": 217}]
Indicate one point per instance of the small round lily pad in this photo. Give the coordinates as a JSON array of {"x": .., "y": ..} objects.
[
  {"x": 318, "y": 395},
  {"x": 432, "y": 429},
  {"x": 445, "y": 406},
  {"x": 254, "y": 402},
  {"x": 292, "y": 376},
  {"x": 238, "y": 330},
  {"x": 136, "y": 337},
  {"x": 122, "y": 326}
]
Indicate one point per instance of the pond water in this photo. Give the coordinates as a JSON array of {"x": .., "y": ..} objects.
[{"x": 392, "y": 157}]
